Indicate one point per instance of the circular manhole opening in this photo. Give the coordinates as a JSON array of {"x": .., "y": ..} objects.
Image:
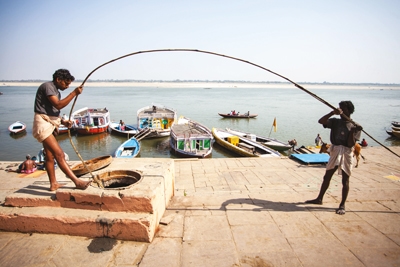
[{"x": 117, "y": 179}]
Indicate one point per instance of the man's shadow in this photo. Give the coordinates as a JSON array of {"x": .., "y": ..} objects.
[{"x": 266, "y": 205}]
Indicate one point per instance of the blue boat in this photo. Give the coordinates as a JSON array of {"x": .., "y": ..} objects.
[{"x": 129, "y": 149}]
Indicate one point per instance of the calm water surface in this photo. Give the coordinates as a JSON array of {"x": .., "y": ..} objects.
[{"x": 296, "y": 113}]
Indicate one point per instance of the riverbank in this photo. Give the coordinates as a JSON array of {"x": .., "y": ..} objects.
[{"x": 210, "y": 85}]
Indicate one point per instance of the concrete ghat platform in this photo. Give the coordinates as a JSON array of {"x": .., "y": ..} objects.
[
  {"x": 241, "y": 212},
  {"x": 132, "y": 213}
]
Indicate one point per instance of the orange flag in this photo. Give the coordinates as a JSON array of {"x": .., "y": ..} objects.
[{"x": 275, "y": 125}]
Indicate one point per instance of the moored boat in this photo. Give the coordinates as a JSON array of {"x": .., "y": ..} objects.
[
  {"x": 242, "y": 146},
  {"x": 128, "y": 149},
  {"x": 88, "y": 121},
  {"x": 396, "y": 123},
  {"x": 17, "y": 127},
  {"x": 243, "y": 116},
  {"x": 157, "y": 118},
  {"x": 62, "y": 129},
  {"x": 273, "y": 143},
  {"x": 396, "y": 133},
  {"x": 394, "y": 128},
  {"x": 129, "y": 130},
  {"x": 191, "y": 139}
]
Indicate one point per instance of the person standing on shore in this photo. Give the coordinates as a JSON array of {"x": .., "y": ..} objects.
[
  {"x": 318, "y": 140},
  {"x": 344, "y": 135},
  {"x": 48, "y": 104}
]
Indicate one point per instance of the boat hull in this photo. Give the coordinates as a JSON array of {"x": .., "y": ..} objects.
[
  {"x": 396, "y": 133},
  {"x": 238, "y": 116},
  {"x": 89, "y": 121},
  {"x": 242, "y": 145},
  {"x": 129, "y": 149},
  {"x": 129, "y": 130},
  {"x": 17, "y": 127},
  {"x": 265, "y": 141},
  {"x": 191, "y": 139},
  {"x": 89, "y": 130},
  {"x": 157, "y": 118}
]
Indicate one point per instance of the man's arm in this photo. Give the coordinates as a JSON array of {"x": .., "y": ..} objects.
[
  {"x": 324, "y": 119},
  {"x": 62, "y": 103}
]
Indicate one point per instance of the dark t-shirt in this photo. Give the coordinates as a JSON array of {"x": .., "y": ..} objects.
[
  {"x": 340, "y": 130},
  {"x": 42, "y": 103}
]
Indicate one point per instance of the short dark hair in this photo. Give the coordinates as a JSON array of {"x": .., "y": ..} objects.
[
  {"x": 64, "y": 75},
  {"x": 349, "y": 105}
]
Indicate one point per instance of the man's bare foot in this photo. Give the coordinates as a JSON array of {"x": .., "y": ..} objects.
[
  {"x": 83, "y": 185},
  {"x": 314, "y": 201},
  {"x": 341, "y": 210},
  {"x": 54, "y": 187}
]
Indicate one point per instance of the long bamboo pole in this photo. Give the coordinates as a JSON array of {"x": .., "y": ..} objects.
[{"x": 230, "y": 57}]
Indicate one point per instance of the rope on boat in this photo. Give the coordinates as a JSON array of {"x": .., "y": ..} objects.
[{"x": 234, "y": 58}]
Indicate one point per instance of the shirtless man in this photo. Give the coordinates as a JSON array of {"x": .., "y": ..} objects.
[
  {"x": 48, "y": 103},
  {"x": 344, "y": 136},
  {"x": 29, "y": 165}
]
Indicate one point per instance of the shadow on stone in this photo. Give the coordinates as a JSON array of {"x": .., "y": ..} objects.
[{"x": 101, "y": 244}]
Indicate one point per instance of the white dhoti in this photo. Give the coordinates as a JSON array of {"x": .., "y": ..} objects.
[
  {"x": 342, "y": 157},
  {"x": 43, "y": 126}
]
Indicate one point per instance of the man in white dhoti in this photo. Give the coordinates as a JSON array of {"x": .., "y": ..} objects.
[
  {"x": 344, "y": 135},
  {"x": 48, "y": 104}
]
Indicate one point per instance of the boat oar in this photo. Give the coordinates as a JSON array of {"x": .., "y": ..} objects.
[{"x": 234, "y": 58}]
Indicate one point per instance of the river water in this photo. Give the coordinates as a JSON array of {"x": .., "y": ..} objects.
[{"x": 296, "y": 114}]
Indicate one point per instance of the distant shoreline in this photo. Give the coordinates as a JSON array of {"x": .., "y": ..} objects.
[{"x": 210, "y": 85}]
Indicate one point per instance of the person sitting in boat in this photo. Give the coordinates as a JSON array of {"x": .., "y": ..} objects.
[
  {"x": 121, "y": 125},
  {"x": 363, "y": 143},
  {"x": 247, "y": 114}
]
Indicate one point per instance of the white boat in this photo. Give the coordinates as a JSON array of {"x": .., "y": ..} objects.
[
  {"x": 157, "y": 118},
  {"x": 88, "y": 121},
  {"x": 242, "y": 146},
  {"x": 128, "y": 149},
  {"x": 273, "y": 143},
  {"x": 129, "y": 130},
  {"x": 191, "y": 139},
  {"x": 17, "y": 127}
]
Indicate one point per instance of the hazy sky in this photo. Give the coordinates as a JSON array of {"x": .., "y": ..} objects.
[{"x": 306, "y": 41}]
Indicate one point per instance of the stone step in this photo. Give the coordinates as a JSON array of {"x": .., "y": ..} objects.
[{"x": 89, "y": 223}]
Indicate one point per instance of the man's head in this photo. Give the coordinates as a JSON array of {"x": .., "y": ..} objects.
[
  {"x": 28, "y": 156},
  {"x": 62, "y": 79},
  {"x": 347, "y": 107}
]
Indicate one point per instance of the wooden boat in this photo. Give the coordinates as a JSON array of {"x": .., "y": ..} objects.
[
  {"x": 242, "y": 146},
  {"x": 88, "y": 121},
  {"x": 191, "y": 139},
  {"x": 241, "y": 116},
  {"x": 93, "y": 165},
  {"x": 394, "y": 128},
  {"x": 128, "y": 149},
  {"x": 62, "y": 129},
  {"x": 128, "y": 131},
  {"x": 396, "y": 123},
  {"x": 17, "y": 127},
  {"x": 157, "y": 118},
  {"x": 396, "y": 133},
  {"x": 273, "y": 143}
]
